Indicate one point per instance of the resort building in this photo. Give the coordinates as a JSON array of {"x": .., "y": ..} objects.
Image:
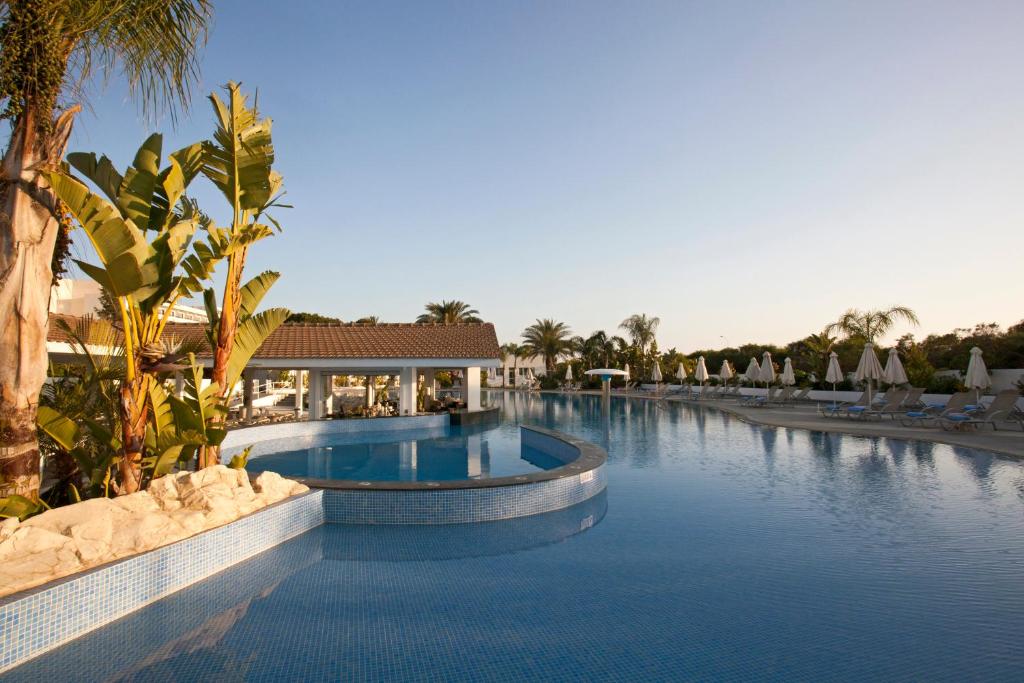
[
  {"x": 317, "y": 353},
  {"x": 79, "y": 298}
]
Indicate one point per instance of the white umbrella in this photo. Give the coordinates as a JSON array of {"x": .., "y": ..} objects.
[
  {"x": 767, "y": 369},
  {"x": 681, "y": 372},
  {"x": 894, "y": 372},
  {"x": 834, "y": 373},
  {"x": 656, "y": 374},
  {"x": 977, "y": 374},
  {"x": 700, "y": 373},
  {"x": 788, "y": 378},
  {"x": 868, "y": 368},
  {"x": 568, "y": 372},
  {"x": 753, "y": 372},
  {"x": 726, "y": 372}
]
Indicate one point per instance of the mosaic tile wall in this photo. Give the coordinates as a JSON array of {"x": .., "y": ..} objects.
[
  {"x": 38, "y": 620},
  {"x": 454, "y": 506},
  {"x": 294, "y": 435}
]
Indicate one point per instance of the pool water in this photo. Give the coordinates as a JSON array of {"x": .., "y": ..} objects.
[
  {"x": 459, "y": 453},
  {"x": 720, "y": 551}
]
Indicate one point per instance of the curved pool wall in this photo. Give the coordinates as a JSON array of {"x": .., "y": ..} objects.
[
  {"x": 475, "y": 500},
  {"x": 35, "y": 621},
  {"x": 581, "y": 476}
]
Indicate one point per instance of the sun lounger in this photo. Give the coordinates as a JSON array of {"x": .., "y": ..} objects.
[
  {"x": 913, "y": 400},
  {"x": 802, "y": 395},
  {"x": 854, "y": 409},
  {"x": 930, "y": 414},
  {"x": 783, "y": 397},
  {"x": 760, "y": 401},
  {"x": 892, "y": 404},
  {"x": 1003, "y": 409}
]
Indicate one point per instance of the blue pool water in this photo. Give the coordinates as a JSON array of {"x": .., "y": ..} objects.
[
  {"x": 458, "y": 453},
  {"x": 720, "y": 551}
]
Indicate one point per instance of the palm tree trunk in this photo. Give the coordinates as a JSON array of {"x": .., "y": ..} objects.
[
  {"x": 28, "y": 231},
  {"x": 133, "y": 434},
  {"x": 210, "y": 455}
]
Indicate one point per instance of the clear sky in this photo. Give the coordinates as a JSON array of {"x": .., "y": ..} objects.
[{"x": 744, "y": 170}]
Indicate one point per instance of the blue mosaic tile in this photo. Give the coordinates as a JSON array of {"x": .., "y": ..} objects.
[{"x": 38, "y": 620}]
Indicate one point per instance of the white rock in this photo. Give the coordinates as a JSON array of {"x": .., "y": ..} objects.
[
  {"x": 7, "y": 527},
  {"x": 68, "y": 539},
  {"x": 272, "y": 487}
]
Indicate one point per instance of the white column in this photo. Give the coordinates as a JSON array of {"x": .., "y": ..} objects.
[
  {"x": 428, "y": 384},
  {"x": 407, "y": 391},
  {"x": 371, "y": 390},
  {"x": 299, "y": 376},
  {"x": 471, "y": 388},
  {"x": 328, "y": 393},
  {"x": 179, "y": 384},
  {"x": 316, "y": 392}
]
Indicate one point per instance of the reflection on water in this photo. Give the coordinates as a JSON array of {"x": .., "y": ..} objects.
[
  {"x": 218, "y": 629},
  {"x": 728, "y": 551},
  {"x": 463, "y": 453}
]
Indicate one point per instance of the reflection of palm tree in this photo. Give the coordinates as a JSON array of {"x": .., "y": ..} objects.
[
  {"x": 449, "y": 313},
  {"x": 870, "y": 325}
]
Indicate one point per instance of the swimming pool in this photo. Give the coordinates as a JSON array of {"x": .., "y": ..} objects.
[
  {"x": 469, "y": 452},
  {"x": 720, "y": 551}
]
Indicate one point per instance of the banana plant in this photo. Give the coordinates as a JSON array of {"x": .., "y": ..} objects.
[
  {"x": 238, "y": 161},
  {"x": 145, "y": 275}
]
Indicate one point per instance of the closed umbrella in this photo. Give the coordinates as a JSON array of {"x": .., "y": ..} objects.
[
  {"x": 894, "y": 372},
  {"x": 726, "y": 372},
  {"x": 701, "y": 374},
  {"x": 625, "y": 378},
  {"x": 788, "y": 378},
  {"x": 834, "y": 373},
  {"x": 767, "y": 369},
  {"x": 656, "y": 373},
  {"x": 977, "y": 374},
  {"x": 753, "y": 372},
  {"x": 681, "y": 373},
  {"x": 868, "y": 368},
  {"x": 568, "y": 373}
]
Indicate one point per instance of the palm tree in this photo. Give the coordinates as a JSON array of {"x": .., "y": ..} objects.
[
  {"x": 52, "y": 49},
  {"x": 871, "y": 324},
  {"x": 449, "y": 313},
  {"x": 642, "y": 330},
  {"x": 816, "y": 349},
  {"x": 549, "y": 339},
  {"x": 368, "y": 320}
]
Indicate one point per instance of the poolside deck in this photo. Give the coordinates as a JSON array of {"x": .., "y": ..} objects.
[{"x": 805, "y": 416}]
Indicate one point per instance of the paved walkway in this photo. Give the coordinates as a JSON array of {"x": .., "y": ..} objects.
[{"x": 805, "y": 416}]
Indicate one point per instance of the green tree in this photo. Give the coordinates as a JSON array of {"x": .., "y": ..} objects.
[
  {"x": 52, "y": 48},
  {"x": 549, "y": 339},
  {"x": 449, "y": 313},
  {"x": 642, "y": 330},
  {"x": 870, "y": 325},
  {"x": 311, "y": 318},
  {"x": 143, "y": 275},
  {"x": 239, "y": 162}
]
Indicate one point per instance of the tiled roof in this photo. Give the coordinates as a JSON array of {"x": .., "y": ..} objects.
[{"x": 352, "y": 340}]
